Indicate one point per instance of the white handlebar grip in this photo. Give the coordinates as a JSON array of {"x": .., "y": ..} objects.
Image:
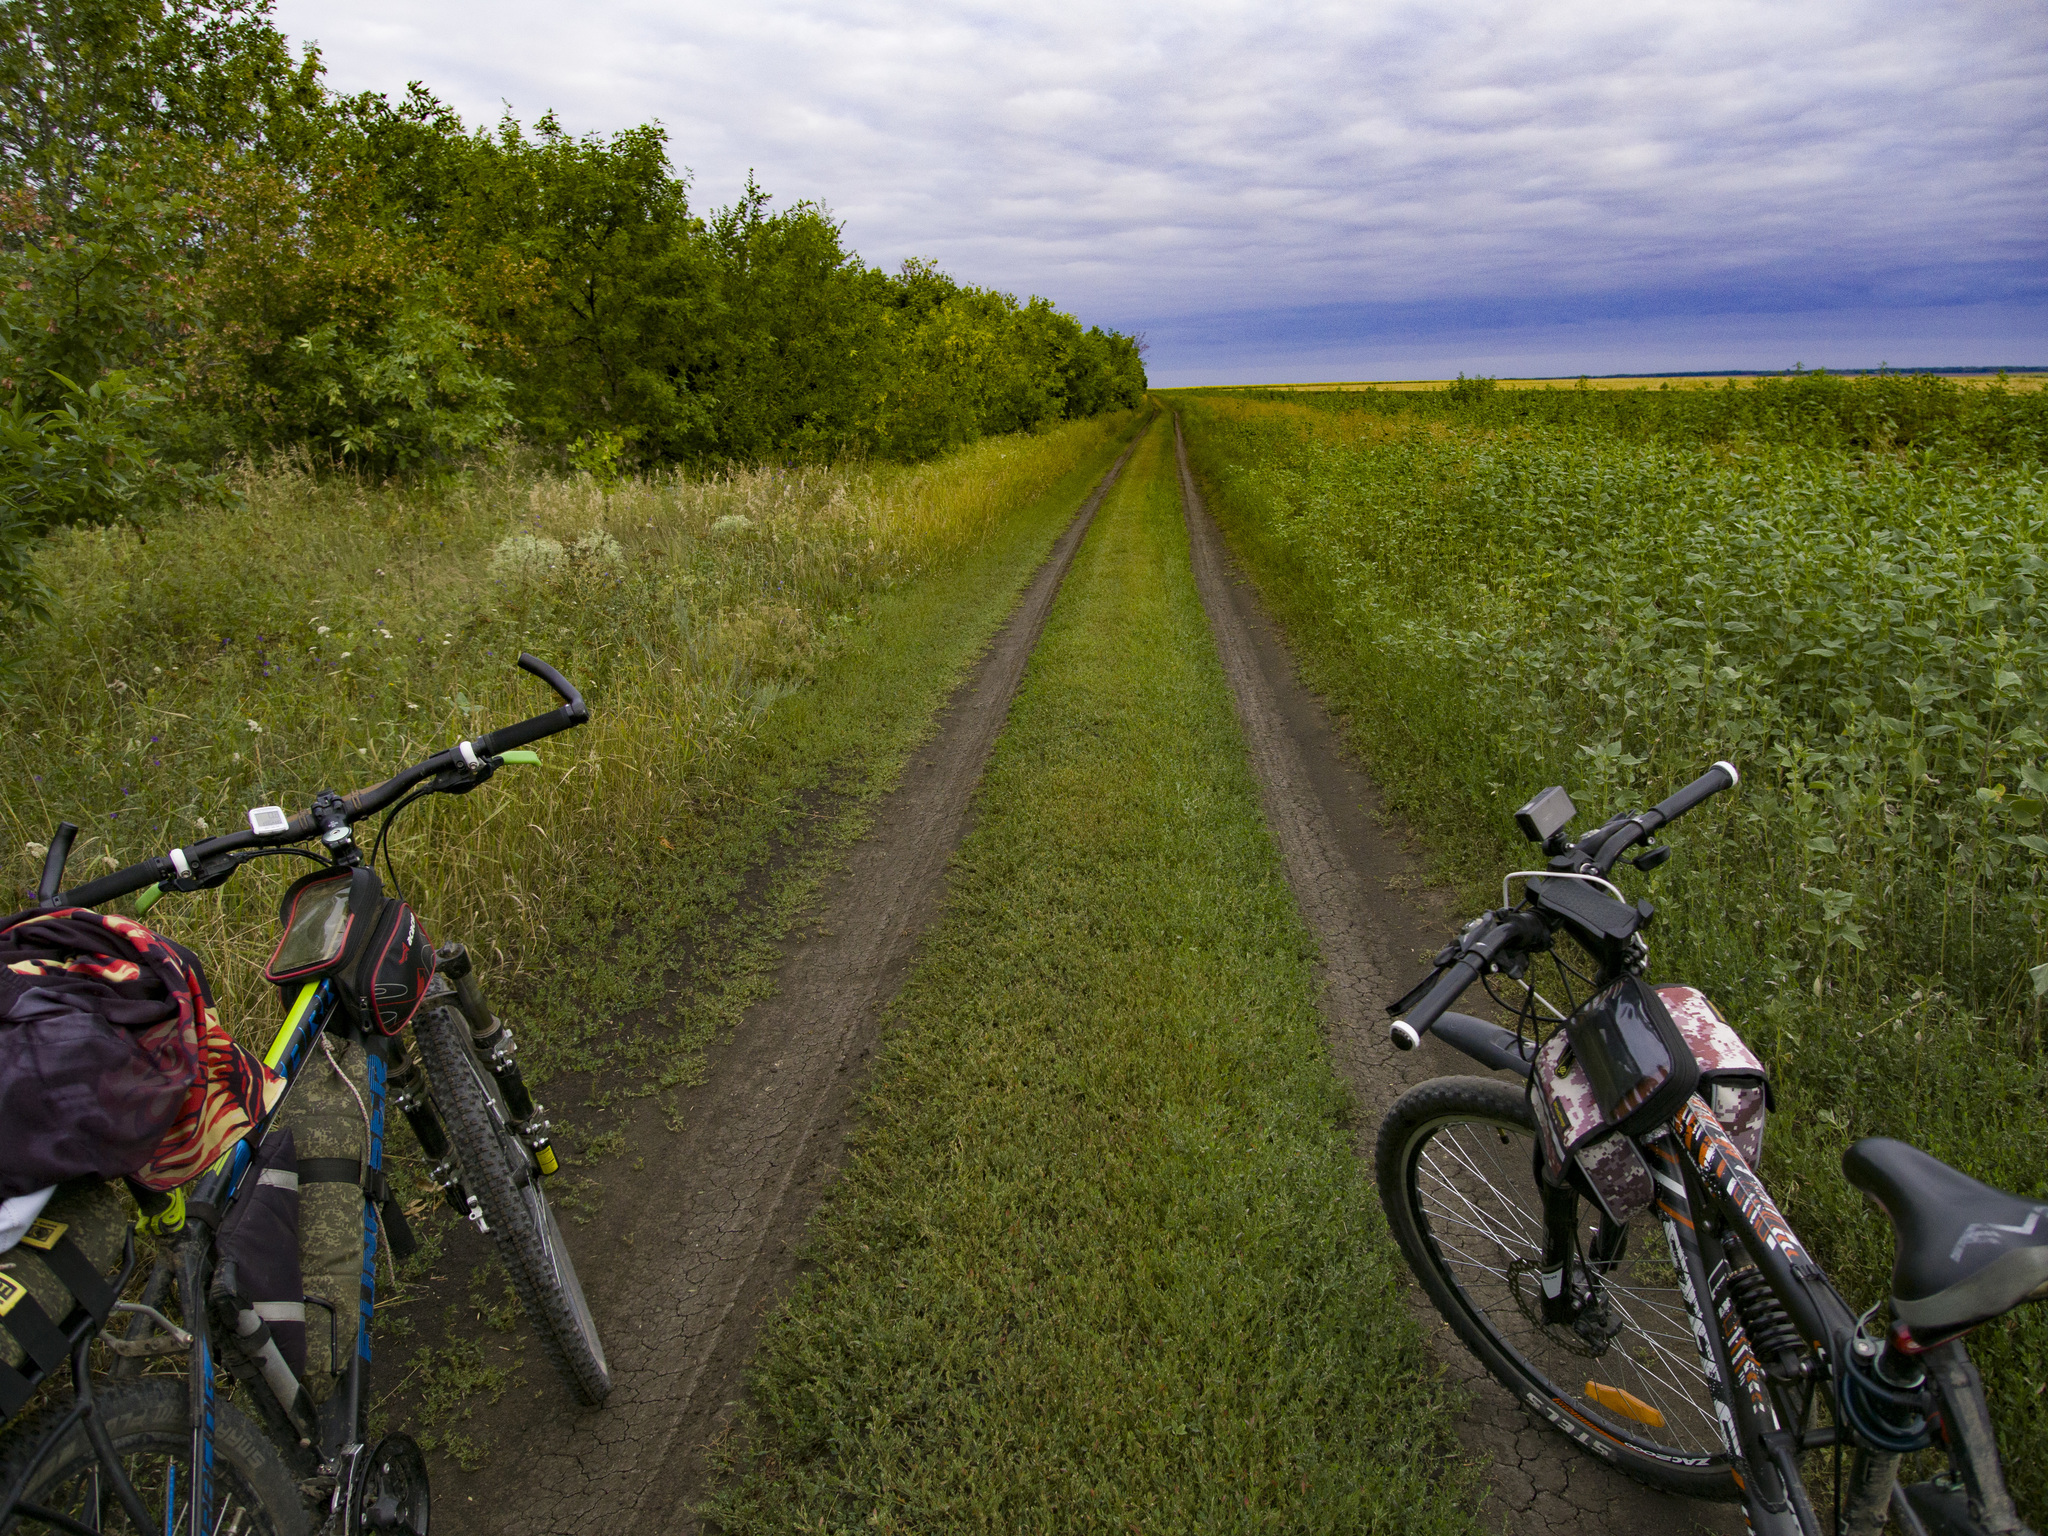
[{"x": 1403, "y": 1036}]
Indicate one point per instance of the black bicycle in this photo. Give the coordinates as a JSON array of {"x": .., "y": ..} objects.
[
  {"x": 1597, "y": 1235},
  {"x": 162, "y": 1455}
]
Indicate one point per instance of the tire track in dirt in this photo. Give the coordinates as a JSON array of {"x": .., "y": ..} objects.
[
  {"x": 1349, "y": 874},
  {"x": 710, "y": 1231}
]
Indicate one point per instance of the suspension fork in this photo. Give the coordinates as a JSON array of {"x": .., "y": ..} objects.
[
  {"x": 1763, "y": 1451},
  {"x": 499, "y": 1052}
]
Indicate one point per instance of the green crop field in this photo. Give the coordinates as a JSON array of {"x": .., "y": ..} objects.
[{"x": 1843, "y": 587}]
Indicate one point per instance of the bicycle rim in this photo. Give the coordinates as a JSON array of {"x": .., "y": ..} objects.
[{"x": 1471, "y": 1187}]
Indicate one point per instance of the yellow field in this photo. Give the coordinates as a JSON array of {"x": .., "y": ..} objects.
[{"x": 1688, "y": 381}]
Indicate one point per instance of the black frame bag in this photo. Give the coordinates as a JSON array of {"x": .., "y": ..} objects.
[
  {"x": 1641, "y": 1066},
  {"x": 387, "y": 985}
]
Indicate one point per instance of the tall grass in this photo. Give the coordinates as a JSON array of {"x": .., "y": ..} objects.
[
  {"x": 324, "y": 633},
  {"x": 1864, "y": 632}
]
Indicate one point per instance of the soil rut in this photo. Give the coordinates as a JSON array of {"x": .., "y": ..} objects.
[
  {"x": 1348, "y": 873},
  {"x": 707, "y": 1236}
]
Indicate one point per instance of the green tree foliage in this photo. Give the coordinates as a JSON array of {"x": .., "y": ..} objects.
[{"x": 203, "y": 252}]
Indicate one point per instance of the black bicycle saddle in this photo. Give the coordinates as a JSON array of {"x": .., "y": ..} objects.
[{"x": 1966, "y": 1252}]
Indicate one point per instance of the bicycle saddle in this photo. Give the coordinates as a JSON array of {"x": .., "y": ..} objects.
[{"x": 1966, "y": 1252}]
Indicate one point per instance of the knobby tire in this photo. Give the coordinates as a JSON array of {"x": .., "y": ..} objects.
[
  {"x": 499, "y": 1170},
  {"x": 149, "y": 1424}
]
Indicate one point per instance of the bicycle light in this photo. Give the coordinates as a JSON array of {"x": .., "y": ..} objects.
[{"x": 1546, "y": 815}]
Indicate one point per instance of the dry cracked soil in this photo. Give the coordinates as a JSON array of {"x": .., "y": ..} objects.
[{"x": 694, "y": 1245}]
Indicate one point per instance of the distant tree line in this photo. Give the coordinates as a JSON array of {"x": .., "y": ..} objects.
[{"x": 206, "y": 252}]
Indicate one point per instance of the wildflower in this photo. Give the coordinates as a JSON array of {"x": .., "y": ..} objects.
[
  {"x": 323, "y": 630},
  {"x": 254, "y": 726}
]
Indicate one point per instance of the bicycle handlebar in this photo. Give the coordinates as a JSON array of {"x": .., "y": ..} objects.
[
  {"x": 1478, "y": 950},
  {"x": 1606, "y": 846},
  {"x": 1498, "y": 932},
  {"x": 469, "y": 756}
]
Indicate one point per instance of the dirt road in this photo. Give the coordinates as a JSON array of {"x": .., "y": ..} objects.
[
  {"x": 691, "y": 1251},
  {"x": 1349, "y": 875}
]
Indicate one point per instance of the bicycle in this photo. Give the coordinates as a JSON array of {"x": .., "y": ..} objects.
[
  {"x": 357, "y": 967},
  {"x": 1597, "y": 1236}
]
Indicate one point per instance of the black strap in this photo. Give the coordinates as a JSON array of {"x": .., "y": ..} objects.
[
  {"x": 35, "y": 1333},
  {"x": 15, "y": 1391},
  {"x": 67, "y": 1261},
  {"x": 345, "y": 1170},
  {"x": 374, "y": 1185},
  {"x": 396, "y": 1230}
]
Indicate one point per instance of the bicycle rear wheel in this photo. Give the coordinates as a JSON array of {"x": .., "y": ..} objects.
[
  {"x": 150, "y": 1427},
  {"x": 1456, "y": 1166},
  {"x": 498, "y": 1169}
]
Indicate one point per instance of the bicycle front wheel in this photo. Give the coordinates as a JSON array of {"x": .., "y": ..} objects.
[
  {"x": 498, "y": 1169},
  {"x": 1456, "y": 1165},
  {"x": 148, "y": 1423}
]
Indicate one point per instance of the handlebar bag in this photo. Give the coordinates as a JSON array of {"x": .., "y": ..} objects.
[
  {"x": 390, "y": 980},
  {"x": 1732, "y": 1079},
  {"x": 326, "y": 917}
]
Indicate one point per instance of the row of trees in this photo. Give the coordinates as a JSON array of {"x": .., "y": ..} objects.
[{"x": 205, "y": 252}]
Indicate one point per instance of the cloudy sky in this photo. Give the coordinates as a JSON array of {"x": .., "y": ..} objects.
[{"x": 1346, "y": 191}]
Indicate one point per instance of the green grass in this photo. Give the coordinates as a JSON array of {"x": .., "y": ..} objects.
[
  {"x": 1496, "y": 605},
  {"x": 760, "y": 651},
  {"x": 1103, "y": 1258}
]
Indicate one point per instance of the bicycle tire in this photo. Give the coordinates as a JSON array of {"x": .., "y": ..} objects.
[
  {"x": 499, "y": 1170},
  {"x": 1456, "y": 1170},
  {"x": 150, "y": 1426}
]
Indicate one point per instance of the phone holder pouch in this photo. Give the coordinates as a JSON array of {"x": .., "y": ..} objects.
[
  {"x": 390, "y": 980},
  {"x": 1574, "y": 1127},
  {"x": 326, "y": 919},
  {"x": 1641, "y": 1065}
]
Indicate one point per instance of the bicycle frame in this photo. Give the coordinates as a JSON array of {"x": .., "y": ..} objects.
[
  {"x": 341, "y": 1420},
  {"x": 1705, "y": 1190}
]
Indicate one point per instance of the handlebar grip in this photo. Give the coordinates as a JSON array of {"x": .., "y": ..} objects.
[
  {"x": 1407, "y": 1032},
  {"x": 53, "y": 863},
  {"x": 1717, "y": 778},
  {"x": 95, "y": 892},
  {"x": 547, "y": 674},
  {"x": 572, "y": 713}
]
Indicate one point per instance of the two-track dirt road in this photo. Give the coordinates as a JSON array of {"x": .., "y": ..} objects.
[
  {"x": 709, "y": 1235},
  {"x": 696, "y": 1248},
  {"x": 1350, "y": 876}
]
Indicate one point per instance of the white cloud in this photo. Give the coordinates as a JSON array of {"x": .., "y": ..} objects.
[{"x": 1142, "y": 165}]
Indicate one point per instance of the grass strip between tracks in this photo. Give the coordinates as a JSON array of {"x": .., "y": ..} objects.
[{"x": 1104, "y": 1257}]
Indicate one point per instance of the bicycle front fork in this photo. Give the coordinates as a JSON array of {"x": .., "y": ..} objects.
[{"x": 455, "y": 981}]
